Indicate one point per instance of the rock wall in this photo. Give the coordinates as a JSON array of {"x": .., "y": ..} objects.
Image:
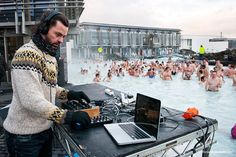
[{"x": 226, "y": 57}]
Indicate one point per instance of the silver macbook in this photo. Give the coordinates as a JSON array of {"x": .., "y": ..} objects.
[{"x": 145, "y": 126}]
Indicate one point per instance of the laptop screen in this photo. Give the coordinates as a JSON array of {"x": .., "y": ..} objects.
[{"x": 147, "y": 113}]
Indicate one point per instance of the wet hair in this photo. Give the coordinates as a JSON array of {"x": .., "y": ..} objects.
[
  {"x": 213, "y": 71},
  {"x": 202, "y": 78},
  {"x": 166, "y": 68},
  {"x": 203, "y": 66},
  {"x": 97, "y": 74}
]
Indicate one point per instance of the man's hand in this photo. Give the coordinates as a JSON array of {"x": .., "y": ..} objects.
[{"x": 79, "y": 96}]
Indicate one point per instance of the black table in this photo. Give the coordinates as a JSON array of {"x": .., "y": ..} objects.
[{"x": 173, "y": 132}]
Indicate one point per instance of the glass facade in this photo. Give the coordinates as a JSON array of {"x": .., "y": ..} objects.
[
  {"x": 31, "y": 10},
  {"x": 126, "y": 41},
  {"x": 18, "y": 18}
]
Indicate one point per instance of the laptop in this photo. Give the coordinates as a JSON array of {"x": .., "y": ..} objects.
[{"x": 145, "y": 126}]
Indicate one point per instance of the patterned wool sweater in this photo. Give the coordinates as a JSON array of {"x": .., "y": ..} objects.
[{"x": 34, "y": 83}]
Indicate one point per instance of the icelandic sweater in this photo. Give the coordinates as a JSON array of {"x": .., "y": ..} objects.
[{"x": 34, "y": 83}]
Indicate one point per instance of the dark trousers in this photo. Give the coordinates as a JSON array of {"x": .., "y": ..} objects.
[
  {"x": 201, "y": 56},
  {"x": 34, "y": 145}
]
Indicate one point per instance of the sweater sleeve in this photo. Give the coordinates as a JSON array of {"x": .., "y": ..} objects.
[
  {"x": 26, "y": 81},
  {"x": 61, "y": 93}
]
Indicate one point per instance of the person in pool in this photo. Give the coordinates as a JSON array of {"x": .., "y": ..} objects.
[
  {"x": 187, "y": 72},
  {"x": 97, "y": 77},
  {"x": 150, "y": 73},
  {"x": 213, "y": 83},
  {"x": 234, "y": 79},
  {"x": 166, "y": 74},
  {"x": 109, "y": 77}
]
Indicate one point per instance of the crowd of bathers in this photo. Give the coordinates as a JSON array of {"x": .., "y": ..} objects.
[{"x": 211, "y": 79}]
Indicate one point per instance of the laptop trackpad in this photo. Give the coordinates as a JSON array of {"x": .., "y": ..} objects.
[{"x": 121, "y": 136}]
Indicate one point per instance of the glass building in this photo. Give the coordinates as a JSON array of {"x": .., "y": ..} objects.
[
  {"x": 18, "y": 18},
  {"x": 125, "y": 41}
]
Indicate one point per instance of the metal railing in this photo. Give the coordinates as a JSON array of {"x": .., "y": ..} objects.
[{"x": 10, "y": 11}]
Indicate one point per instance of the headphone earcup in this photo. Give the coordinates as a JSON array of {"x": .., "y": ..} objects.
[{"x": 44, "y": 29}]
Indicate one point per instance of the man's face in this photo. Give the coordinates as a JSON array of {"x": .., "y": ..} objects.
[
  {"x": 56, "y": 34},
  {"x": 213, "y": 74}
]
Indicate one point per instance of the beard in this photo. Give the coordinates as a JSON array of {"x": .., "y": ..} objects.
[
  {"x": 45, "y": 45},
  {"x": 54, "y": 45}
]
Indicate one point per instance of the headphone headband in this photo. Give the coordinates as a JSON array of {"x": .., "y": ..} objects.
[
  {"x": 45, "y": 24},
  {"x": 51, "y": 15}
]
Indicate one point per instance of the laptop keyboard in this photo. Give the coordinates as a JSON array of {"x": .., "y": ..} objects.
[{"x": 133, "y": 131}]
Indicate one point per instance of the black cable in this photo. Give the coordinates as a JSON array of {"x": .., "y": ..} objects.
[
  {"x": 198, "y": 126},
  {"x": 203, "y": 139},
  {"x": 213, "y": 135},
  {"x": 173, "y": 128},
  {"x": 171, "y": 115}
]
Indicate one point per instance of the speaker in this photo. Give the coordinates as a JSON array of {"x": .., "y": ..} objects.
[{"x": 45, "y": 24}]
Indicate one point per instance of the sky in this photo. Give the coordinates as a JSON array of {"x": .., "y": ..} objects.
[{"x": 193, "y": 17}]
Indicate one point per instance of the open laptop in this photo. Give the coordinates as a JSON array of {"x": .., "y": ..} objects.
[{"x": 145, "y": 126}]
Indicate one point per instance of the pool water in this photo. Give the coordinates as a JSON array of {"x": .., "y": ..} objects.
[{"x": 178, "y": 94}]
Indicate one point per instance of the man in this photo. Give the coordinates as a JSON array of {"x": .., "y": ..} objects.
[
  {"x": 201, "y": 52},
  {"x": 213, "y": 83},
  {"x": 187, "y": 72},
  {"x": 219, "y": 65},
  {"x": 34, "y": 81},
  {"x": 166, "y": 74}
]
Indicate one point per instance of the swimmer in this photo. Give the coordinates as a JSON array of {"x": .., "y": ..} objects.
[
  {"x": 108, "y": 78},
  {"x": 187, "y": 72},
  {"x": 202, "y": 80},
  {"x": 97, "y": 78},
  {"x": 150, "y": 73},
  {"x": 213, "y": 83},
  {"x": 234, "y": 79},
  {"x": 166, "y": 74}
]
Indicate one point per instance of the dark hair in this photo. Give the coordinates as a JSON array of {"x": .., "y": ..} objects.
[
  {"x": 202, "y": 78},
  {"x": 49, "y": 19},
  {"x": 203, "y": 66}
]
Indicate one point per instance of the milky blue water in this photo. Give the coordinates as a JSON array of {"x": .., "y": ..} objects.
[{"x": 179, "y": 94}]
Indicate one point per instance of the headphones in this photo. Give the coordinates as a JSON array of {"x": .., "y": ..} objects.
[{"x": 45, "y": 23}]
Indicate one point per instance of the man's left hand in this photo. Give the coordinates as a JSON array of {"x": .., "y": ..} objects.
[{"x": 79, "y": 96}]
